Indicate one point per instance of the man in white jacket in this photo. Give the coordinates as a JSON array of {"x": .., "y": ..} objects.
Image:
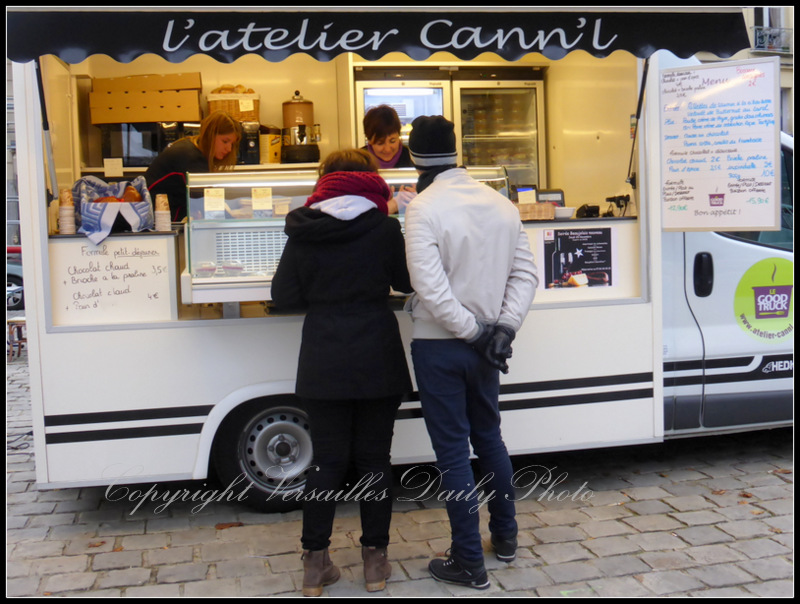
[{"x": 474, "y": 279}]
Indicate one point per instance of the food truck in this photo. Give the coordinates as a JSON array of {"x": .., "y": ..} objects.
[{"x": 652, "y": 188}]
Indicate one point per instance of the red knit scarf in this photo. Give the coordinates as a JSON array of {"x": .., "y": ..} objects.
[{"x": 365, "y": 184}]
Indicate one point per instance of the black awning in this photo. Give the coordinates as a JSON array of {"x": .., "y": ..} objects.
[{"x": 227, "y": 35}]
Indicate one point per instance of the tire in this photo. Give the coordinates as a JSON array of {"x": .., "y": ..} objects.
[
  {"x": 16, "y": 301},
  {"x": 263, "y": 452}
]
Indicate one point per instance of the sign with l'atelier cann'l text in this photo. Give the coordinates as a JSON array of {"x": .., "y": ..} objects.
[{"x": 720, "y": 145}]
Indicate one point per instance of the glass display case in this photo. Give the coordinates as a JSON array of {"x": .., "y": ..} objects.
[{"x": 234, "y": 235}]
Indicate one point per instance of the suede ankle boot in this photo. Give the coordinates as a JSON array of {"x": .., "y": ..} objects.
[
  {"x": 376, "y": 567},
  {"x": 318, "y": 571}
]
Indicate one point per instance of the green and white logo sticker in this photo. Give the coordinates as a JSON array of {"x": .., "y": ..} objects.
[{"x": 763, "y": 303}]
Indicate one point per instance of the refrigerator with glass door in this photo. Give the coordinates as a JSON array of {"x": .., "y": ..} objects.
[
  {"x": 411, "y": 92},
  {"x": 499, "y": 121}
]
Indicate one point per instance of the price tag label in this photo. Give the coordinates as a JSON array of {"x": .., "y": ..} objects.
[
  {"x": 246, "y": 105},
  {"x": 262, "y": 198},
  {"x": 262, "y": 202},
  {"x": 214, "y": 203},
  {"x": 112, "y": 167}
]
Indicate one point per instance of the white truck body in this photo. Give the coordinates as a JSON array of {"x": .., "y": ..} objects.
[{"x": 135, "y": 402}]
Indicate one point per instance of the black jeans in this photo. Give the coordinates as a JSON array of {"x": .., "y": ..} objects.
[{"x": 345, "y": 432}]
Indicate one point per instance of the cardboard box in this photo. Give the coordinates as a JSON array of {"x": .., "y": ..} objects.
[
  {"x": 146, "y": 98},
  {"x": 151, "y": 82},
  {"x": 536, "y": 211}
]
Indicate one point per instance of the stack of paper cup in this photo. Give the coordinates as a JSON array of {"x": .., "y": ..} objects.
[
  {"x": 163, "y": 222},
  {"x": 66, "y": 213}
]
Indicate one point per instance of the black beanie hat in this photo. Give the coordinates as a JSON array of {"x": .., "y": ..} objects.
[{"x": 432, "y": 142}]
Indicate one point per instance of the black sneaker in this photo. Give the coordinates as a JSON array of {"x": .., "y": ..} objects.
[
  {"x": 505, "y": 550},
  {"x": 450, "y": 571}
]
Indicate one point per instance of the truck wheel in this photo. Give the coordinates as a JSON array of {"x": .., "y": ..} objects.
[{"x": 263, "y": 453}]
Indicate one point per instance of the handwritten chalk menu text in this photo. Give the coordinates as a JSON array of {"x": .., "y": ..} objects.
[
  {"x": 720, "y": 136},
  {"x": 120, "y": 280}
]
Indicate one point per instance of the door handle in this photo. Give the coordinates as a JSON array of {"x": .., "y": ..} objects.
[{"x": 703, "y": 274}]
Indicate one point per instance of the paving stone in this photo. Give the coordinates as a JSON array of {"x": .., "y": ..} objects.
[
  {"x": 647, "y": 507},
  {"x": 153, "y": 591},
  {"x": 745, "y": 529},
  {"x": 113, "y": 560},
  {"x": 60, "y": 565},
  {"x": 657, "y": 541},
  {"x": 769, "y": 568},
  {"x": 778, "y": 507},
  {"x": 169, "y": 555},
  {"x": 620, "y": 587},
  {"x": 39, "y": 549},
  {"x": 689, "y": 503},
  {"x": 772, "y": 589},
  {"x": 610, "y": 546},
  {"x": 562, "y": 517},
  {"x": 267, "y": 585},
  {"x": 558, "y": 534},
  {"x": 123, "y": 578},
  {"x": 567, "y": 590},
  {"x": 214, "y": 588},
  {"x": 698, "y": 518},
  {"x": 614, "y": 566},
  {"x": 760, "y": 548},
  {"x": 423, "y": 588},
  {"x": 721, "y": 575},
  {"x": 420, "y": 532},
  {"x": 703, "y": 535},
  {"x": 605, "y": 528},
  {"x": 713, "y": 554},
  {"x": 780, "y": 524},
  {"x": 212, "y": 552},
  {"x": 68, "y": 582},
  {"x": 607, "y": 512},
  {"x": 669, "y": 582},
  {"x": 513, "y": 580},
  {"x": 572, "y": 571},
  {"x": 641, "y": 493},
  {"x": 180, "y": 573},
  {"x": 24, "y": 586},
  {"x": 652, "y": 523},
  {"x": 557, "y": 553},
  {"x": 722, "y": 592}
]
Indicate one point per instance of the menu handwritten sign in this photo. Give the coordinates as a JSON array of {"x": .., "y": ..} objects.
[
  {"x": 121, "y": 280},
  {"x": 720, "y": 136}
]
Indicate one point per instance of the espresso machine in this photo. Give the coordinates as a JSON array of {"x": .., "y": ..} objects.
[{"x": 300, "y": 135}]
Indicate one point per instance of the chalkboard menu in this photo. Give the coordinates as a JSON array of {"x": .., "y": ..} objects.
[
  {"x": 720, "y": 138},
  {"x": 120, "y": 280}
]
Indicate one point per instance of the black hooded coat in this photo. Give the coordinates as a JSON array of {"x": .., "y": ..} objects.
[{"x": 339, "y": 272}]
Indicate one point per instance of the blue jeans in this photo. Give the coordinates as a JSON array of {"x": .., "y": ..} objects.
[{"x": 459, "y": 393}]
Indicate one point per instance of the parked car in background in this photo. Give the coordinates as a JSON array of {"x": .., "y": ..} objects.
[{"x": 15, "y": 299}]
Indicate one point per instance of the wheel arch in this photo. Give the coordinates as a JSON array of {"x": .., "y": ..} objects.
[{"x": 236, "y": 401}]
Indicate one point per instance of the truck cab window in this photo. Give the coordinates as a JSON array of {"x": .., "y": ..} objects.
[{"x": 784, "y": 238}]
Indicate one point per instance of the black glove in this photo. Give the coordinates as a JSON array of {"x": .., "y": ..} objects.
[
  {"x": 481, "y": 341},
  {"x": 500, "y": 350}
]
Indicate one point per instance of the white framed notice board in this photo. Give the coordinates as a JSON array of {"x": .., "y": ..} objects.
[
  {"x": 720, "y": 145},
  {"x": 120, "y": 280}
]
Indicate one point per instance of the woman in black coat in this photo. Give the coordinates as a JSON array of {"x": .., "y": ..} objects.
[{"x": 342, "y": 256}]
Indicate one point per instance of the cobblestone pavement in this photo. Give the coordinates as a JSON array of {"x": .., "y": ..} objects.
[{"x": 700, "y": 517}]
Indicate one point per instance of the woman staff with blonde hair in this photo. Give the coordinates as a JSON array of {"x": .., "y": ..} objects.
[{"x": 214, "y": 149}]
